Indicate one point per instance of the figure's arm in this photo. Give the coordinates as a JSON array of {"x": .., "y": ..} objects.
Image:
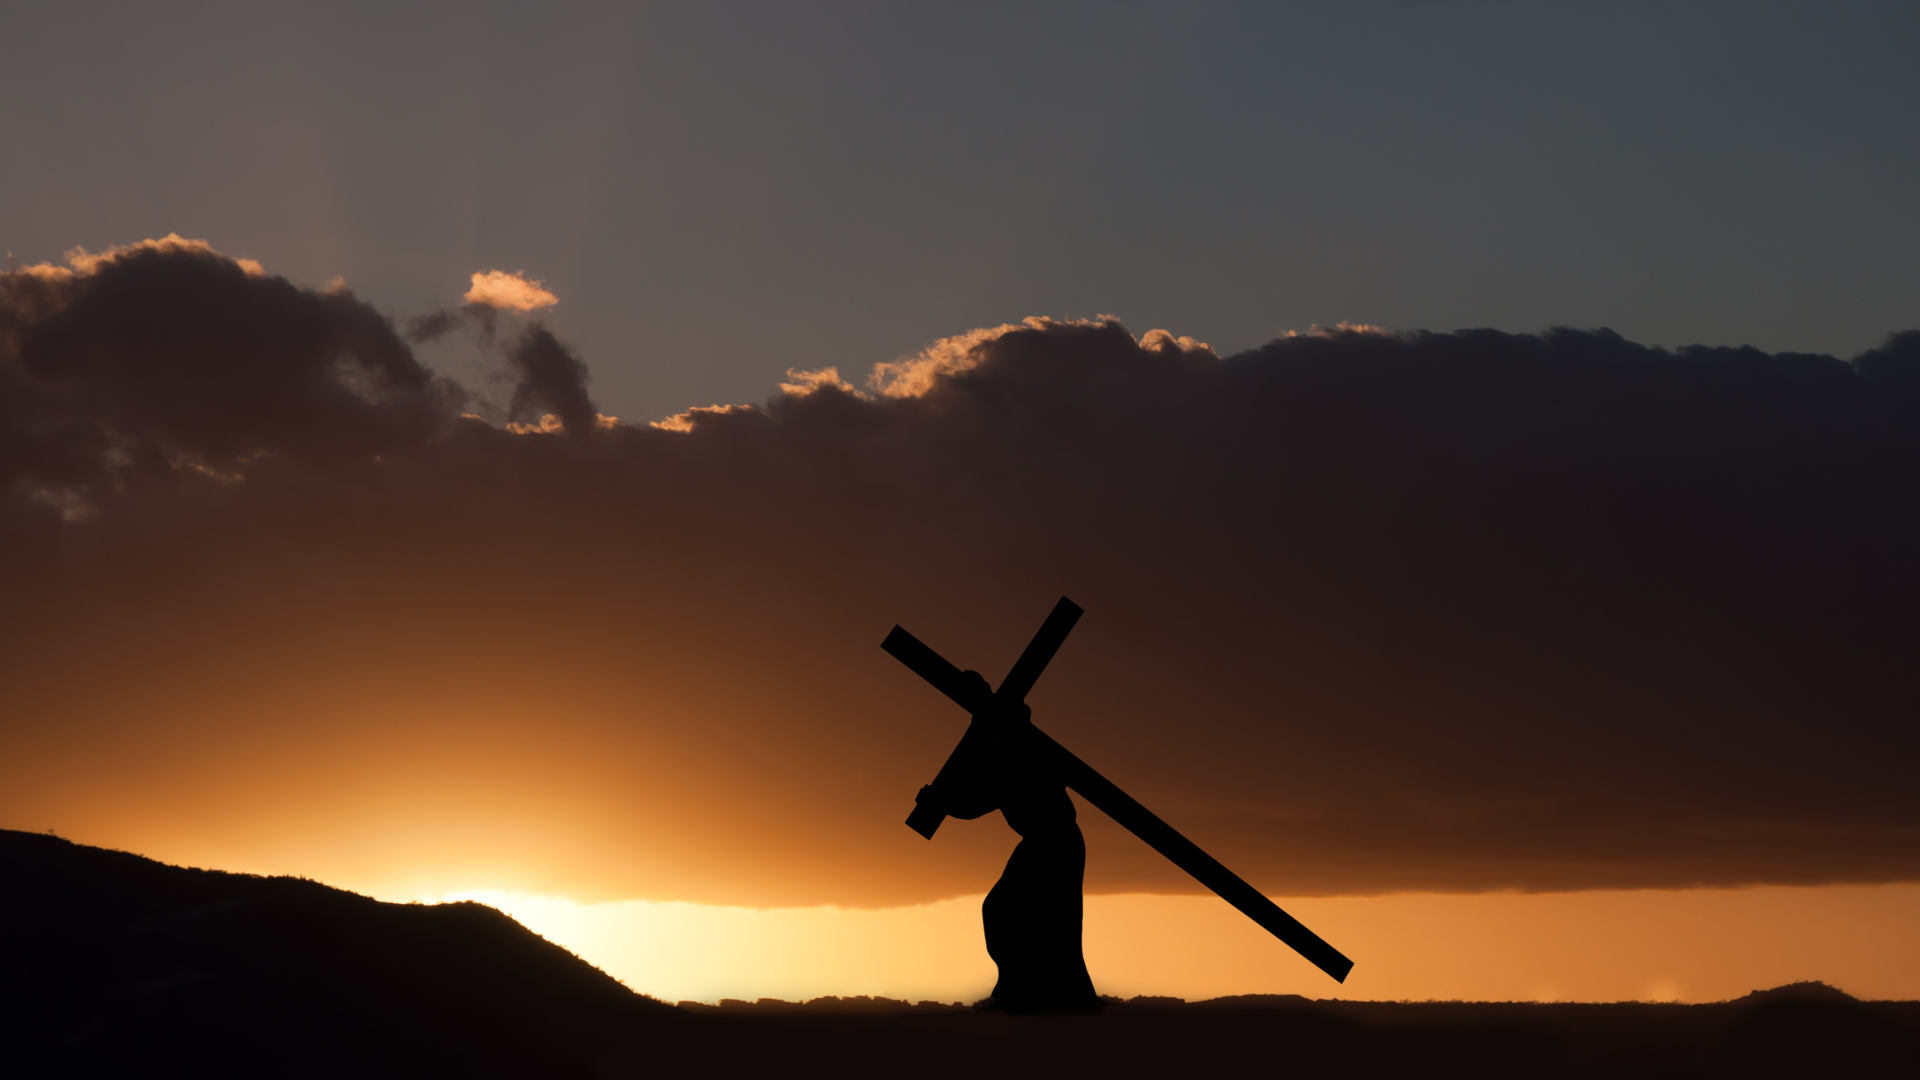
[
  {"x": 967, "y": 786},
  {"x": 966, "y": 807}
]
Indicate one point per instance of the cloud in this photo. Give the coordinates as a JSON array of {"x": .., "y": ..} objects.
[
  {"x": 1366, "y": 611},
  {"x": 684, "y": 422},
  {"x": 550, "y": 391},
  {"x": 552, "y": 381},
  {"x": 165, "y": 355},
  {"x": 915, "y": 375},
  {"x": 84, "y": 262},
  {"x": 509, "y": 292},
  {"x": 806, "y": 382}
]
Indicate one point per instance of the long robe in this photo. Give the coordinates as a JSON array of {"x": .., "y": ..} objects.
[{"x": 1033, "y": 914}]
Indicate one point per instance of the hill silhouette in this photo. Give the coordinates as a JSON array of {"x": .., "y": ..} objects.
[
  {"x": 116, "y": 965},
  {"x": 115, "y": 962}
]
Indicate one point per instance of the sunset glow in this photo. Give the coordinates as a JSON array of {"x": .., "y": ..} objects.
[
  {"x": 1696, "y": 945},
  {"x": 1452, "y": 469}
]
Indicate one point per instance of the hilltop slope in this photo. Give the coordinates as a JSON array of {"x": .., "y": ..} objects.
[{"x": 114, "y": 962}]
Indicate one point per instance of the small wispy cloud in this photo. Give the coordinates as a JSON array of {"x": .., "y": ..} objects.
[
  {"x": 509, "y": 292},
  {"x": 802, "y": 383},
  {"x": 692, "y": 418}
]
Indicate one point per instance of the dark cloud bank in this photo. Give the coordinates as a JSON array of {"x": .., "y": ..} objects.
[{"x": 1365, "y": 611}]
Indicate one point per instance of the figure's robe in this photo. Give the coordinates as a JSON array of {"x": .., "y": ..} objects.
[{"x": 1033, "y": 914}]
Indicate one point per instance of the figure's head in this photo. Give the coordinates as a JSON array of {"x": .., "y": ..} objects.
[{"x": 977, "y": 683}]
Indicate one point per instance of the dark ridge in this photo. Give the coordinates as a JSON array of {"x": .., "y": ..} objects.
[
  {"x": 1283, "y": 1034},
  {"x": 112, "y": 965},
  {"x": 1812, "y": 990}
]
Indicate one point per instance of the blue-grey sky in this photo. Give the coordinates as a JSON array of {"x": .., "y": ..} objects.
[{"x": 720, "y": 192}]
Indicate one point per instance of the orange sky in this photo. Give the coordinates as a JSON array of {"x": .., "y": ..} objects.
[
  {"x": 1368, "y": 615},
  {"x": 1651, "y": 945}
]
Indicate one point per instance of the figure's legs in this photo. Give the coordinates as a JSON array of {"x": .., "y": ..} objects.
[{"x": 1033, "y": 923}]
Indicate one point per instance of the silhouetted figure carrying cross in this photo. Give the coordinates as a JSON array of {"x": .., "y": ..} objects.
[
  {"x": 1003, "y": 762},
  {"x": 1033, "y": 915}
]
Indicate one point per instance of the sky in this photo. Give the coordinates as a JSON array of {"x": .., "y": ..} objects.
[
  {"x": 719, "y": 192},
  {"x": 478, "y": 452}
]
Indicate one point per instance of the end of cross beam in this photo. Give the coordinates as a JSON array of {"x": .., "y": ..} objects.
[{"x": 925, "y": 820}]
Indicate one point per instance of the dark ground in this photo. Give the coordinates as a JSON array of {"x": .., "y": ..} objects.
[{"x": 115, "y": 965}]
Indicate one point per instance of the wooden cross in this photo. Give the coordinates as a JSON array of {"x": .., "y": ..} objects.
[{"x": 1004, "y": 712}]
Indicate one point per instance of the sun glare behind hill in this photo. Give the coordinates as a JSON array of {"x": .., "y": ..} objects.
[{"x": 1647, "y": 945}]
